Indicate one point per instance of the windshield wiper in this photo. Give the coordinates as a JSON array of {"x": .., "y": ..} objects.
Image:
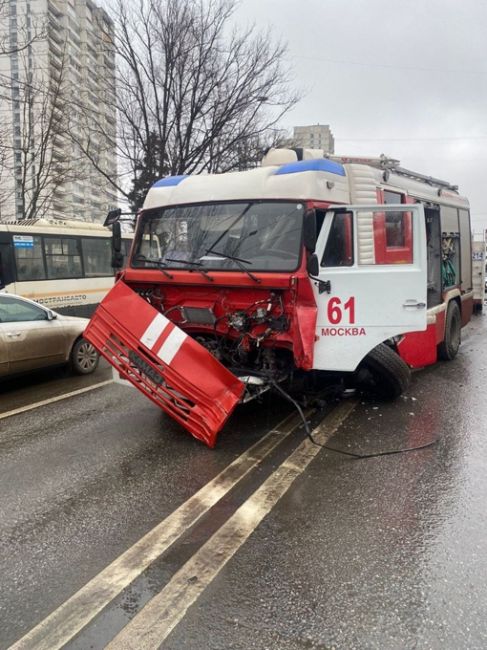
[
  {"x": 203, "y": 272},
  {"x": 239, "y": 262},
  {"x": 159, "y": 263}
]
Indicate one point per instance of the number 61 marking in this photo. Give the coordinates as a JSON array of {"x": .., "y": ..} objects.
[{"x": 334, "y": 310}]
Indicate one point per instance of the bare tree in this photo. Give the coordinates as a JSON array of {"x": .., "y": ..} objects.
[
  {"x": 194, "y": 93},
  {"x": 33, "y": 153},
  {"x": 32, "y": 116},
  {"x": 6, "y": 188},
  {"x": 16, "y": 37}
]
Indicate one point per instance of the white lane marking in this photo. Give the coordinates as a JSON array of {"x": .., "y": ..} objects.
[
  {"x": 153, "y": 332},
  {"x": 73, "y": 615},
  {"x": 51, "y": 400},
  {"x": 171, "y": 345},
  {"x": 160, "y": 616}
]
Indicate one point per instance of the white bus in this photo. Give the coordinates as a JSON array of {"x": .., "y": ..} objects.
[{"x": 64, "y": 265}]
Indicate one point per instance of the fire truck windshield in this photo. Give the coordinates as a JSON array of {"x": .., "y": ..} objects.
[{"x": 257, "y": 235}]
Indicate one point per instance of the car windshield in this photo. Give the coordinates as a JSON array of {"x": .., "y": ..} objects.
[{"x": 261, "y": 236}]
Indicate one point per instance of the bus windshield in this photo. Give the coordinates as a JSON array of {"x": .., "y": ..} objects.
[{"x": 261, "y": 235}]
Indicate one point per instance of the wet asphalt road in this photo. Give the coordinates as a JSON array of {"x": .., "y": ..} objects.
[{"x": 383, "y": 552}]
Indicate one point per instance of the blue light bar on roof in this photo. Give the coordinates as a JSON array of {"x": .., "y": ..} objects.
[
  {"x": 170, "y": 181},
  {"x": 315, "y": 165}
]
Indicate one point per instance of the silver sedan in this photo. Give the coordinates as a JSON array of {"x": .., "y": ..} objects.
[{"x": 34, "y": 337}]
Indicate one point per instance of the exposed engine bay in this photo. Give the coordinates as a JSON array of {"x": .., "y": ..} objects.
[{"x": 252, "y": 341}]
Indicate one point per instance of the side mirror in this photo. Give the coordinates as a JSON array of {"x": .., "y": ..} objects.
[
  {"x": 117, "y": 255},
  {"x": 51, "y": 315},
  {"x": 309, "y": 230},
  {"x": 112, "y": 217},
  {"x": 313, "y": 265}
]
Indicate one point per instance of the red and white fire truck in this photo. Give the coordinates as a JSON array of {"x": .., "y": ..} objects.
[{"x": 306, "y": 270}]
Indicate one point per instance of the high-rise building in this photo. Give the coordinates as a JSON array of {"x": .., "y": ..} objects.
[
  {"x": 315, "y": 136},
  {"x": 57, "y": 101}
]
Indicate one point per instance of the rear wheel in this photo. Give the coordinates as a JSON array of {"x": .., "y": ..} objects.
[
  {"x": 448, "y": 348},
  {"x": 84, "y": 358},
  {"x": 383, "y": 374}
]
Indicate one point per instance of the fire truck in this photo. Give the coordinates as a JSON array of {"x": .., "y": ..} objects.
[{"x": 307, "y": 271}]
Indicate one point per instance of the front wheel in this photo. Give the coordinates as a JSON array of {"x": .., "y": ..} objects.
[
  {"x": 448, "y": 348},
  {"x": 84, "y": 358},
  {"x": 383, "y": 374}
]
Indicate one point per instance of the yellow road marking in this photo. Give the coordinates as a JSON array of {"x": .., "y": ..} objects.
[
  {"x": 160, "y": 616},
  {"x": 73, "y": 615},
  {"x": 51, "y": 400}
]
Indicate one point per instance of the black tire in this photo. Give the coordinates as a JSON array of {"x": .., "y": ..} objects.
[
  {"x": 447, "y": 349},
  {"x": 84, "y": 358},
  {"x": 383, "y": 374}
]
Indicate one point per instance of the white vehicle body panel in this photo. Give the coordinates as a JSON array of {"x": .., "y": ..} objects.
[
  {"x": 478, "y": 269},
  {"x": 388, "y": 299}
]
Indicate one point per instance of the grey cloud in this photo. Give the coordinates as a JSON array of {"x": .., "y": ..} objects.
[{"x": 409, "y": 76}]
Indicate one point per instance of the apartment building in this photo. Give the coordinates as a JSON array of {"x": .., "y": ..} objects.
[
  {"x": 315, "y": 136},
  {"x": 57, "y": 101}
]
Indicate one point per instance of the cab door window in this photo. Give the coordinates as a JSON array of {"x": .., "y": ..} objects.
[
  {"x": 339, "y": 245},
  {"x": 393, "y": 239}
]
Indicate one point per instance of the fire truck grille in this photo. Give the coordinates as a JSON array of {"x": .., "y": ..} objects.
[
  {"x": 156, "y": 381},
  {"x": 178, "y": 374},
  {"x": 148, "y": 376}
]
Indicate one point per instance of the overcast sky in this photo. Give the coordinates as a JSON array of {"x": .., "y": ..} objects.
[{"x": 407, "y": 78}]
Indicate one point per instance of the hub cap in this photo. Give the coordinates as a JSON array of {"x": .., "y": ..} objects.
[{"x": 86, "y": 356}]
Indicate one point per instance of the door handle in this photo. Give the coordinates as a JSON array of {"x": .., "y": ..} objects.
[
  {"x": 414, "y": 304},
  {"x": 14, "y": 335}
]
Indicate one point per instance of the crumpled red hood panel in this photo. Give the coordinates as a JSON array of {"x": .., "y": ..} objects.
[{"x": 163, "y": 362}]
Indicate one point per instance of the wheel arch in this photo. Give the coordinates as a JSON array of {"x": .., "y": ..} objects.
[
  {"x": 390, "y": 372},
  {"x": 75, "y": 340},
  {"x": 73, "y": 363},
  {"x": 449, "y": 346}
]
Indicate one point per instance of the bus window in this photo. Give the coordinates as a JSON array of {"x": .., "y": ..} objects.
[
  {"x": 97, "y": 256},
  {"x": 63, "y": 257},
  {"x": 29, "y": 260},
  {"x": 7, "y": 275}
]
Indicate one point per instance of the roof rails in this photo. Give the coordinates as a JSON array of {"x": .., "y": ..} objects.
[
  {"x": 380, "y": 162},
  {"x": 392, "y": 165},
  {"x": 437, "y": 182}
]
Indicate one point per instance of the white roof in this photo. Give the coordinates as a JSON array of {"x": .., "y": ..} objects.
[
  {"x": 298, "y": 181},
  {"x": 313, "y": 178}
]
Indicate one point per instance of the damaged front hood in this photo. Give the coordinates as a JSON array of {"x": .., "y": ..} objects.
[{"x": 163, "y": 362}]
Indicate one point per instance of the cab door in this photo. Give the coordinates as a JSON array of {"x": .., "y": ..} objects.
[{"x": 372, "y": 281}]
